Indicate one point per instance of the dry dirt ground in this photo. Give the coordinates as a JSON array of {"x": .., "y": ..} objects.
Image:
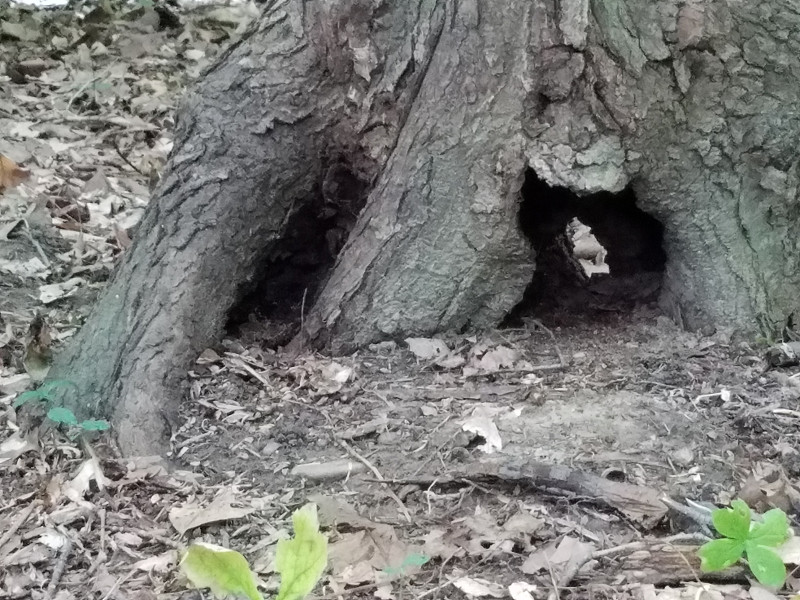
[{"x": 557, "y": 459}]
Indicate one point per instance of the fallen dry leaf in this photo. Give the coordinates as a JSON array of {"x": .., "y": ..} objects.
[
  {"x": 481, "y": 423},
  {"x": 479, "y": 588},
  {"x": 558, "y": 559},
  {"x": 427, "y": 348},
  {"x": 191, "y": 515},
  {"x": 11, "y": 174},
  {"x": 161, "y": 563},
  {"x": 79, "y": 485},
  {"x": 15, "y": 446},
  {"x": 521, "y": 590}
]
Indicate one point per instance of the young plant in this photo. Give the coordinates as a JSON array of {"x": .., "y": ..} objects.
[
  {"x": 60, "y": 415},
  {"x": 754, "y": 540},
  {"x": 411, "y": 561},
  {"x": 300, "y": 562}
]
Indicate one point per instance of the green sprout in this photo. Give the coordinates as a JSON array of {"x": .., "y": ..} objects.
[
  {"x": 300, "y": 562},
  {"x": 60, "y": 415},
  {"x": 754, "y": 540},
  {"x": 409, "y": 562}
]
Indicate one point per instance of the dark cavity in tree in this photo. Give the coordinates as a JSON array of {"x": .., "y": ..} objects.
[
  {"x": 294, "y": 270},
  {"x": 632, "y": 239}
]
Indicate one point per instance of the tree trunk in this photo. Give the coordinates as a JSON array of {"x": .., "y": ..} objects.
[{"x": 430, "y": 114}]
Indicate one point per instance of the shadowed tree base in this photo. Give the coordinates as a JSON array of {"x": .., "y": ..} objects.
[{"x": 437, "y": 108}]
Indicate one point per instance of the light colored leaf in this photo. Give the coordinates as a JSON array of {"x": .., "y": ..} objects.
[
  {"x": 772, "y": 530},
  {"x": 191, "y": 515},
  {"x": 15, "y": 446},
  {"x": 90, "y": 471},
  {"x": 55, "y": 291},
  {"x": 789, "y": 551},
  {"x": 427, "y": 348},
  {"x": 733, "y": 522},
  {"x": 225, "y": 572},
  {"x": 720, "y": 554},
  {"x": 479, "y": 588},
  {"x": 60, "y": 414},
  {"x": 302, "y": 559},
  {"x": 766, "y": 565},
  {"x": 160, "y": 563},
  {"x": 521, "y": 590},
  {"x": 501, "y": 357}
]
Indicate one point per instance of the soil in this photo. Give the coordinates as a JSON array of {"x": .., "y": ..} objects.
[{"x": 420, "y": 455}]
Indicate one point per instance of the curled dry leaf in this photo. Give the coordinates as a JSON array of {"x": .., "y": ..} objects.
[
  {"x": 427, "y": 348},
  {"x": 479, "y": 588},
  {"x": 193, "y": 514},
  {"x": 14, "y": 446},
  {"x": 11, "y": 174}
]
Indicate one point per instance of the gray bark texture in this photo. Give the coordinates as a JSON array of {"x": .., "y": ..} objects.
[{"x": 441, "y": 106}]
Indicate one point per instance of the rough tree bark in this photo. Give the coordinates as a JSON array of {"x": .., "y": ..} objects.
[{"x": 440, "y": 106}]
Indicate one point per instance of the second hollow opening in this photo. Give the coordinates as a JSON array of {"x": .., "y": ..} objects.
[
  {"x": 294, "y": 270},
  {"x": 593, "y": 252}
]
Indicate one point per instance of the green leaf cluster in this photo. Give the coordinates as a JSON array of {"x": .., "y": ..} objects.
[
  {"x": 754, "y": 540},
  {"x": 47, "y": 394},
  {"x": 300, "y": 562}
]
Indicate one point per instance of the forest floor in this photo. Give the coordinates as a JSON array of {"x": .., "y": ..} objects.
[{"x": 570, "y": 456}]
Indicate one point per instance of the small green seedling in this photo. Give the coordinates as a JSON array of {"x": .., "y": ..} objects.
[
  {"x": 409, "y": 562},
  {"x": 224, "y": 571},
  {"x": 46, "y": 394},
  {"x": 299, "y": 561},
  {"x": 755, "y": 540}
]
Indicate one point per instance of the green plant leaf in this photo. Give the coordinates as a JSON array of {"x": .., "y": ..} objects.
[
  {"x": 94, "y": 425},
  {"x": 27, "y": 397},
  {"x": 59, "y": 414},
  {"x": 412, "y": 560},
  {"x": 720, "y": 554},
  {"x": 772, "y": 530},
  {"x": 766, "y": 565},
  {"x": 301, "y": 560},
  {"x": 224, "y": 571},
  {"x": 733, "y": 522},
  {"x": 44, "y": 392}
]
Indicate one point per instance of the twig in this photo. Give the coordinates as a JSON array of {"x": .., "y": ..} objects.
[
  {"x": 115, "y": 143},
  {"x": 489, "y": 555},
  {"x": 351, "y": 451},
  {"x": 36, "y": 245},
  {"x": 104, "y": 73},
  {"x": 118, "y": 583},
  {"x": 303, "y": 310},
  {"x": 687, "y": 537},
  {"x": 639, "y": 545},
  {"x": 239, "y": 362},
  {"x": 555, "y": 343},
  {"x": 348, "y": 592},
  {"x": 435, "y": 453},
  {"x": 570, "y": 574},
  {"x": 58, "y": 569},
  {"x": 532, "y": 368},
  {"x": 555, "y": 595},
  {"x": 13, "y": 529}
]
